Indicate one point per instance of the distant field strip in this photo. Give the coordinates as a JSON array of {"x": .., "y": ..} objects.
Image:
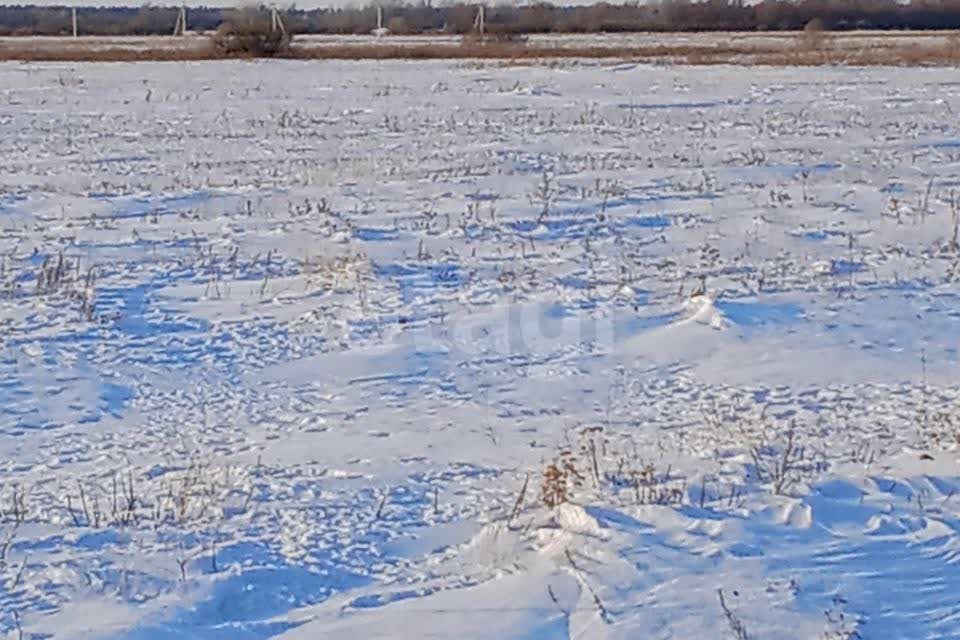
[{"x": 941, "y": 48}]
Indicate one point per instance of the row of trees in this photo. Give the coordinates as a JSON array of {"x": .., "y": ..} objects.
[{"x": 662, "y": 15}]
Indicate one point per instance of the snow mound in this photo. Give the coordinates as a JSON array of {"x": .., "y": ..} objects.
[
  {"x": 702, "y": 309},
  {"x": 574, "y": 519}
]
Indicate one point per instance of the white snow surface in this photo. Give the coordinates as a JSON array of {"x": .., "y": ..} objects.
[{"x": 460, "y": 350}]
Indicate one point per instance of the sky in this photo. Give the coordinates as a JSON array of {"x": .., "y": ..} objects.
[{"x": 300, "y": 4}]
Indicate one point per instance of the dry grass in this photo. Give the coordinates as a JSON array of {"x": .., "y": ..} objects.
[
  {"x": 70, "y": 52},
  {"x": 812, "y": 38},
  {"x": 250, "y": 33},
  {"x": 509, "y": 51},
  {"x": 804, "y": 49},
  {"x": 907, "y": 56}
]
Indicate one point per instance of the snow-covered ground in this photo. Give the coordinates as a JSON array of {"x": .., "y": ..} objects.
[{"x": 437, "y": 350}]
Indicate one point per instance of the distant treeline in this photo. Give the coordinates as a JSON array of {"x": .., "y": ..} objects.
[{"x": 665, "y": 15}]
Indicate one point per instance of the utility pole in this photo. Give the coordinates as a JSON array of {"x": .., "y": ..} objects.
[
  {"x": 180, "y": 28},
  {"x": 73, "y": 15},
  {"x": 481, "y": 21},
  {"x": 276, "y": 24},
  {"x": 380, "y": 31}
]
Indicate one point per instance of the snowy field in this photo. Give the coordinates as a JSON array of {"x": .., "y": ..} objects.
[{"x": 436, "y": 350}]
